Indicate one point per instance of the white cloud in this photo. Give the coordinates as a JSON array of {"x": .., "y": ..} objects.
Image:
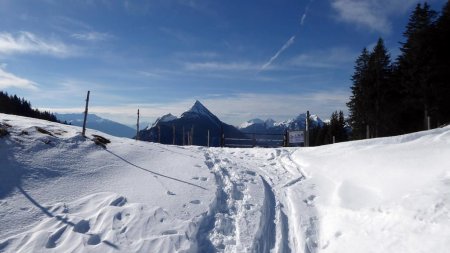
[
  {"x": 277, "y": 54},
  {"x": 26, "y": 43},
  {"x": 92, "y": 36},
  {"x": 9, "y": 80},
  {"x": 372, "y": 14}
]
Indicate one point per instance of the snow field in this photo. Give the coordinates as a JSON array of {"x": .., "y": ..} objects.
[{"x": 61, "y": 192}]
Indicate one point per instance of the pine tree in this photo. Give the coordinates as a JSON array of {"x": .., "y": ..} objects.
[
  {"x": 379, "y": 73},
  {"x": 416, "y": 69},
  {"x": 441, "y": 41},
  {"x": 358, "y": 101}
]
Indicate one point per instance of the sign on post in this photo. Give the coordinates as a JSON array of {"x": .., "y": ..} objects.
[{"x": 296, "y": 137}]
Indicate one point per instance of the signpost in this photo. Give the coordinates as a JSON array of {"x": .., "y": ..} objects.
[{"x": 296, "y": 137}]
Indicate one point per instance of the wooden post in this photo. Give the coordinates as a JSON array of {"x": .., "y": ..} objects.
[
  {"x": 173, "y": 134},
  {"x": 137, "y": 126},
  {"x": 208, "y": 138},
  {"x": 428, "y": 123},
  {"x": 159, "y": 134},
  {"x": 222, "y": 137},
  {"x": 192, "y": 135},
  {"x": 254, "y": 140},
  {"x": 367, "y": 132},
  {"x": 184, "y": 137},
  {"x": 307, "y": 130},
  {"x": 286, "y": 140},
  {"x": 334, "y": 139},
  {"x": 85, "y": 114}
]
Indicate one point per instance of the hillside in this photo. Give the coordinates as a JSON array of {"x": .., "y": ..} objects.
[{"x": 60, "y": 192}]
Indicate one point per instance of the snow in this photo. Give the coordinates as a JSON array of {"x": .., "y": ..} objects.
[
  {"x": 165, "y": 118},
  {"x": 63, "y": 193},
  {"x": 251, "y": 122}
]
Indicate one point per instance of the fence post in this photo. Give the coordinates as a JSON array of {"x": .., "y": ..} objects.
[
  {"x": 137, "y": 126},
  {"x": 222, "y": 137},
  {"x": 367, "y": 131},
  {"x": 183, "y": 137},
  {"x": 286, "y": 138},
  {"x": 173, "y": 134},
  {"x": 334, "y": 139},
  {"x": 307, "y": 130},
  {"x": 159, "y": 134},
  {"x": 192, "y": 135},
  {"x": 208, "y": 138},
  {"x": 254, "y": 140},
  {"x": 85, "y": 114}
]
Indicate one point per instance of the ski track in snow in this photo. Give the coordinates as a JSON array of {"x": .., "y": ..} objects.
[{"x": 284, "y": 225}]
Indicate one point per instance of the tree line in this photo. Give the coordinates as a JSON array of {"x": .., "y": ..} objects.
[
  {"x": 411, "y": 93},
  {"x": 12, "y": 104}
]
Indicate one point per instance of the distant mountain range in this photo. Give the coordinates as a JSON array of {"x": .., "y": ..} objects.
[
  {"x": 270, "y": 126},
  {"x": 98, "y": 123},
  {"x": 190, "y": 128}
]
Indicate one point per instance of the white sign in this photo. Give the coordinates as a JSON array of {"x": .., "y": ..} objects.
[{"x": 296, "y": 137}]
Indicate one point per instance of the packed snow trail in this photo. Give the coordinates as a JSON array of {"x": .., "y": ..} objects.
[{"x": 285, "y": 219}]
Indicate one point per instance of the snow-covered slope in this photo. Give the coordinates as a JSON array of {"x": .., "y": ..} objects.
[{"x": 63, "y": 193}]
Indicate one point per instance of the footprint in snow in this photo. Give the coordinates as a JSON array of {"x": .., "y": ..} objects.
[
  {"x": 249, "y": 172},
  {"x": 120, "y": 201},
  {"x": 203, "y": 178},
  {"x": 170, "y": 193},
  {"x": 53, "y": 238},
  {"x": 169, "y": 232},
  {"x": 196, "y": 202},
  {"x": 94, "y": 239},
  {"x": 195, "y": 178},
  {"x": 82, "y": 227}
]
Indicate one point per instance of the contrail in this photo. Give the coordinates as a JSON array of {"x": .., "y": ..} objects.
[
  {"x": 289, "y": 42},
  {"x": 284, "y": 47},
  {"x": 302, "y": 20}
]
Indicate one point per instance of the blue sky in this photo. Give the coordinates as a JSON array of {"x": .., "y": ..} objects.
[{"x": 242, "y": 59}]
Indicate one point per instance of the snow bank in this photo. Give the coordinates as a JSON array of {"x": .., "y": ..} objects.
[
  {"x": 60, "y": 192},
  {"x": 382, "y": 195}
]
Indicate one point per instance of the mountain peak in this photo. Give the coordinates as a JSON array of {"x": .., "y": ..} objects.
[{"x": 198, "y": 109}]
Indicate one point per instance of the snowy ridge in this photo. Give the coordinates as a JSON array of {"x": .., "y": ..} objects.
[
  {"x": 270, "y": 125},
  {"x": 60, "y": 192},
  {"x": 165, "y": 118}
]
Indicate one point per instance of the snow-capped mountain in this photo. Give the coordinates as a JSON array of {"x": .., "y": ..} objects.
[
  {"x": 270, "y": 126},
  {"x": 98, "y": 123},
  {"x": 192, "y": 124}
]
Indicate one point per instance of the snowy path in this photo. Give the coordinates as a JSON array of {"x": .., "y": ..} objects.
[{"x": 261, "y": 196}]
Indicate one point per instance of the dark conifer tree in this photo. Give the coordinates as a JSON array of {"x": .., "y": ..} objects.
[
  {"x": 379, "y": 86},
  {"x": 358, "y": 101},
  {"x": 416, "y": 69},
  {"x": 441, "y": 40}
]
